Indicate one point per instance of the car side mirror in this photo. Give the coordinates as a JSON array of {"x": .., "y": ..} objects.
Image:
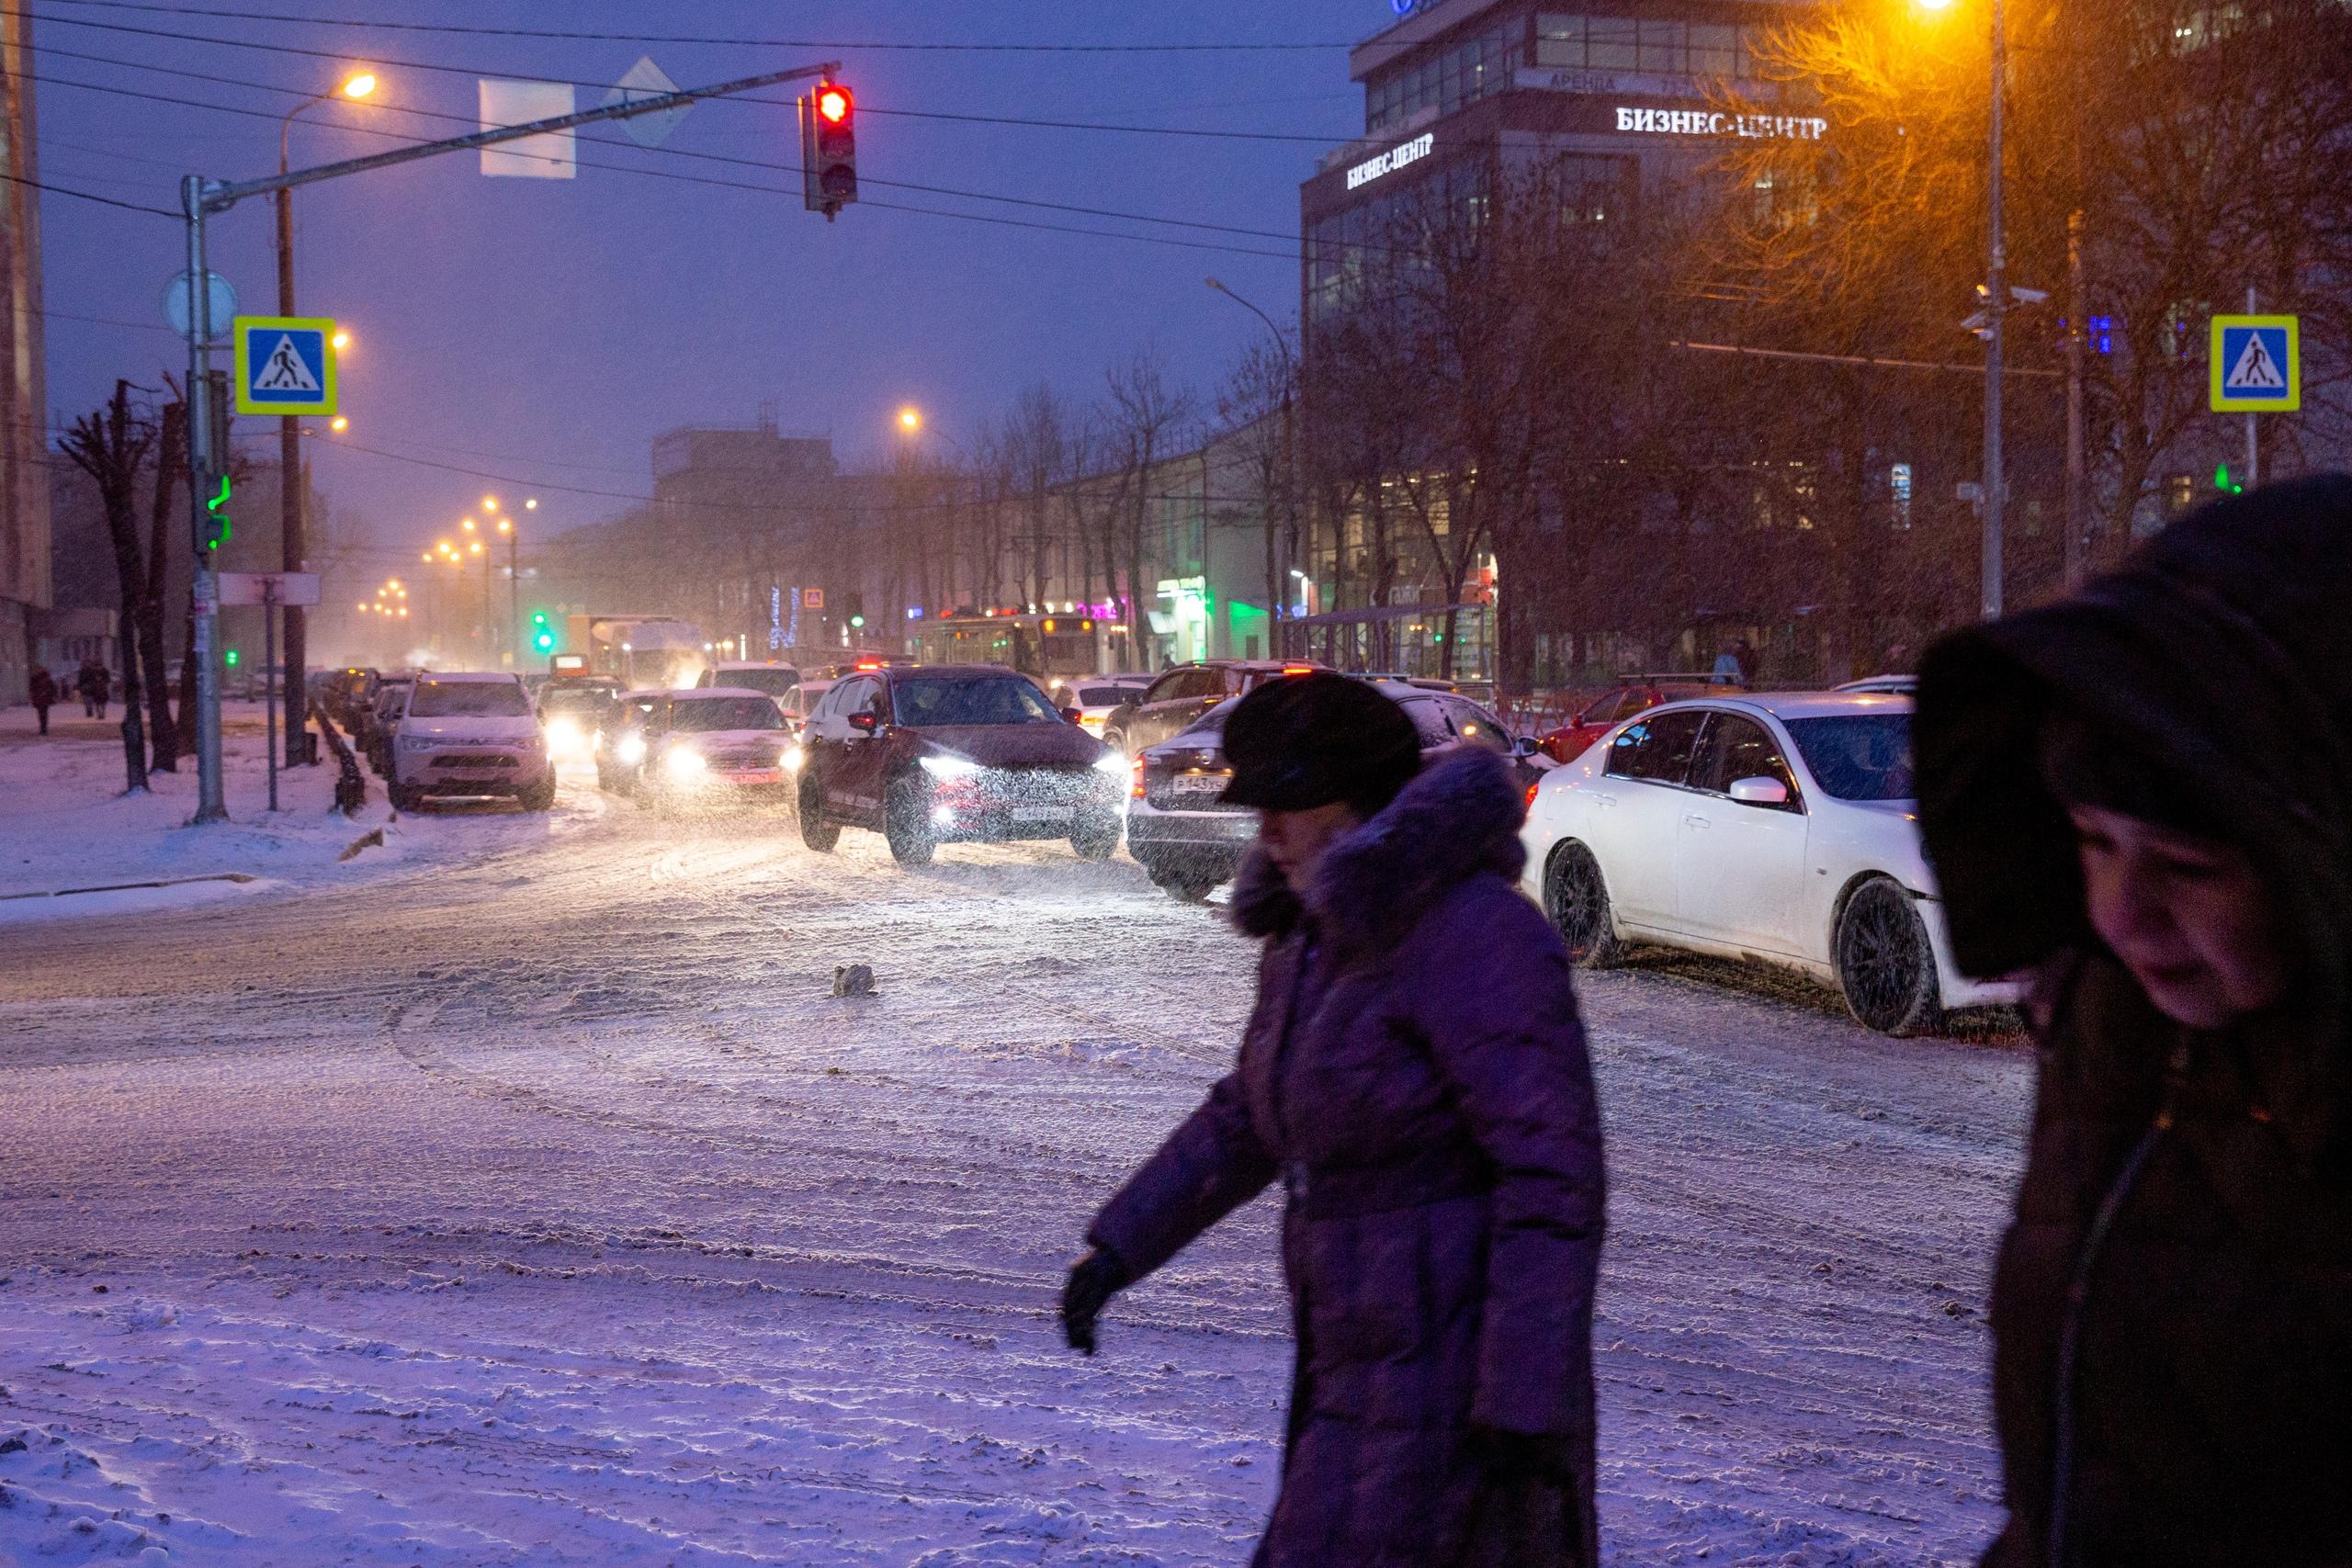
[
  {"x": 1524, "y": 746},
  {"x": 1073, "y": 715},
  {"x": 864, "y": 723},
  {"x": 1759, "y": 792}
]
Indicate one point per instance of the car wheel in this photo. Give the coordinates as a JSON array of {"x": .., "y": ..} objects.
[
  {"x": 538, "y": 796},
  {"x": 815, "y": 832},
  {"x": 1885, "y": 966},
  {"x": 1181, "y": 879},
  {"x": 402, "y": 799},
  {"x": 905, "y": 823},
  {"x": 1097, "y": 840},
  {"x": 1577, "y": 898}
]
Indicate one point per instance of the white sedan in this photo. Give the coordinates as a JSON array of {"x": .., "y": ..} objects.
[{"x": 1778, "y": 829}]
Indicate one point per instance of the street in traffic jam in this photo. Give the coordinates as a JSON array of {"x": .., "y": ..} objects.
[{"x": 1400, "y": 784}]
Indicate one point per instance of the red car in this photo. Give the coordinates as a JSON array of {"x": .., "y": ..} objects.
[{"x": 1567, "y": 743}]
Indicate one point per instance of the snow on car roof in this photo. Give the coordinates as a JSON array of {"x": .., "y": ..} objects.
[
  {"x": 698, "y": 694},
  {"x": 469, "y": 677},
  {"x": 1801, "y": 704}
]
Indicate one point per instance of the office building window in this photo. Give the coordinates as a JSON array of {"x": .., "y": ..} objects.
[
  {"x": 1470, "y": 69},
  {"x": 1656, "y": 47}
]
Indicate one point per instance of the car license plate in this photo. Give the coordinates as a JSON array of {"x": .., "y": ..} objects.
[
  {"x": 1043, "y": 813},
  {"x": 1198, "y": 783},
  {"x": 764, "y": 776}
]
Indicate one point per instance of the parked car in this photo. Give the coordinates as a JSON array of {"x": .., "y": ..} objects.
[
  {"x": 1178, "y": 697},
  {"x": 1188, "y": 842},
  {"x": 469, "y": 734},
  {"x": 633, "y": 722},
  {"x": 950, "y": 753},
  {"x": 349, "y": 692},
  {"x": 804, "y": 696},
  {"x": 716, "y": 745},
  {"x": 1621, "y": 703},
  {"x": 775, "y": 679},
  {"x": 1900, "y": 685},
  {"x": 379, "y": 719},
  {"x": 1778, "y": 829},
  {"x": 1095, "y": 697}
]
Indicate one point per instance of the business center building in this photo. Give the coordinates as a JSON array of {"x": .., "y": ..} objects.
[{"x": 1618, "y": 104}]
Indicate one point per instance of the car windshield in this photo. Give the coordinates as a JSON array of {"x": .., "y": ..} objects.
[
  {"x": 725, "y": 713},
  {"x": 1863, "y": 756},
  {"x": 1103, "y": 696},
  {"x": 981, "y": 699},
  {"x": 774, "y": 682},
  {"x": 469, "y": 699},
  {"x": 575, "y": 699}
]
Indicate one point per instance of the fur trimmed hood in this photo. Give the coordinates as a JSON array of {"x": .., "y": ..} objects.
[{"x": 1458, "y": 817}]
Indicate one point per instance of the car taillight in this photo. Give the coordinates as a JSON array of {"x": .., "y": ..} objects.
[
  {"x": 1531, "y": 797},
  {"x": 1135, "y": 788},
  {"x": 1298, "y": 668}
]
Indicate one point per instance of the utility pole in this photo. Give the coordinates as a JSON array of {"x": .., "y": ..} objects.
[
  {"x": 208, "y": 461},
  {"x": 1996, "y": 303}
]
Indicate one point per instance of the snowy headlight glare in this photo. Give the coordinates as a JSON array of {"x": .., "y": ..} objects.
[
  {"x": 1111, "y": 762},
  {"x": 686, "y": 763},
  {"x": 563, "y": 735},
  {"x": 629, "y": 747},
  {"x": 792, "y": 759},
  {"x": 949, "y": 767}
]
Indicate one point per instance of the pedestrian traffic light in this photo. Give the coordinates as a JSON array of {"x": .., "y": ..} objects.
[
  {"x": 229, "y": 656},
  {"x": 2223, "y": 482},
  {"x": 212, "y": 529},
  {"x": 828, "y": 149},
  {"x": 542, "y": 633}
]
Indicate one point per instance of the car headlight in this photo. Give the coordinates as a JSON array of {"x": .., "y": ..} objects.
[
  {"x": 564, "y": 733},
  {"x": 629, "y": 747},
  {"x": 418, "y": 742},
  {"x": 948, "y": 767},
  {"x": 1114, "y": 764},
  {"x": 686, "y": 763},
  {"x": 792, "y": 757}
]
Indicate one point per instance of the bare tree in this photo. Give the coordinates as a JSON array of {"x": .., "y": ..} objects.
[
  {"x": 111, "y": 447},
  {"x": 1147, "y": 418},
  {"x": 170, "y": 457},
  {"x": 1034, "y": 444},
  {"x": 1257, "y": 403}
]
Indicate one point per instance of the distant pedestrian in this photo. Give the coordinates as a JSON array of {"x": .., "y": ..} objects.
[
  {"x": 43, "y": 690},
  {"x": 97, "y": 687},
  {"x": 2144, "y": 795},
  {"x": 1415, "y": 1075},
  {"x": 1743, "y": 656}
]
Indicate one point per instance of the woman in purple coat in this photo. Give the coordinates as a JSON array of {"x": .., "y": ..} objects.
[{"x": 1415, "y": 1075}]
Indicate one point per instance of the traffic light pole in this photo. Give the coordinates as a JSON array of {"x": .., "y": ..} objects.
[{"x": 208, "y": 462}]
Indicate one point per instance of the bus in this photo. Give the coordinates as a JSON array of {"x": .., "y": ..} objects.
[{"x": 1048, "y": 648}]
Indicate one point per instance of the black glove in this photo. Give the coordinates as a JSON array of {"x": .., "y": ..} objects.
[
  {"x": 1534, "y": 1456},
  {"x": 1093, "y": 1280}
]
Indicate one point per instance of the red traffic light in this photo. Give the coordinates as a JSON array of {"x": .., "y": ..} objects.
[{"x": 832, "y": 103}]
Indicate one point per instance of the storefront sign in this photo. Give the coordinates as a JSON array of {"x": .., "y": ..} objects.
[
  {"x": 1396, "y": 158},
  {"x": 1712, "y": 122}
]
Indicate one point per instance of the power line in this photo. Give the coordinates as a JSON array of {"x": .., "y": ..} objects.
[
  {"x": 671, "y": 175},
  {"x": 763, "y": 164},
  {"x": 455, "y": 30},
  {"x": 428, "y": 65},
  {"x": 85, "y": 196}
]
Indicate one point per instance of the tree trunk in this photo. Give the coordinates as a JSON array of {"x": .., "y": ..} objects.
[{"x": 170, "y": 456}]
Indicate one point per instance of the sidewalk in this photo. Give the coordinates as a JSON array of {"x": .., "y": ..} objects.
[{"x": 65, "y": 823}]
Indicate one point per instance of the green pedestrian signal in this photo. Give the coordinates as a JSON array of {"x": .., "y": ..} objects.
[
  {"x": 229, "y": 656},
  {"x": 216, "y": 519},
  {"x": 2223, "y": 482}
]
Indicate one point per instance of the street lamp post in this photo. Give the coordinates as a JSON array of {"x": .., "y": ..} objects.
[
  {"x": 514, "y": 589},
  {"x": 1278, "y": 572},
  {"x": 1996, "y": 302},
  {"x": 293, "y": 547}
]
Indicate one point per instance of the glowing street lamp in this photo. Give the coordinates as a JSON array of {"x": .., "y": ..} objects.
[{"x": 910, "y": 419}]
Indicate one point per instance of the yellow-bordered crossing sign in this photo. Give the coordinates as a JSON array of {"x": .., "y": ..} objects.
[
  {"x": 2257, "y": 364},
  {"x": 285, "y": 364}
]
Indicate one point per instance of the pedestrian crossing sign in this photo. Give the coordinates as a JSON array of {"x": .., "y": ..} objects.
[
  {"x": 285, "y": 364},
  {"x": 2257, "y": 364}
]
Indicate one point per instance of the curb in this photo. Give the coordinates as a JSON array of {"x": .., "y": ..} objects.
[{"x": 126, "y": 886}]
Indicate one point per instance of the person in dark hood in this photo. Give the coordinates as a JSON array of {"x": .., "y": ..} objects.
[
  {"x": 42, "y": 689},
  {"x": 1415, "y": 1075},
  {"x": 2144, "y": 795},
  {"x": 96, "y": 685}
]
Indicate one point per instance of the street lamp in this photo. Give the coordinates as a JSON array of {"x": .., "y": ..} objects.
[
  {"x": 1988, "y": 321},
  {"x": 1278, "y": 561},
  {"x": 356, "y": 84},
  {"x": 910, "y": 419}
]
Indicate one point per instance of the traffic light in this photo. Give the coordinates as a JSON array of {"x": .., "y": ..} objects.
[
  {"x": 542, "y": 633},
  {"x": 828, "y": 149},
  {"x": 212, "y": 532},
  {"x": 854, "y": 610},
  {"x": 2228, "y": 486},
  {"x": 229, "y": 656}
]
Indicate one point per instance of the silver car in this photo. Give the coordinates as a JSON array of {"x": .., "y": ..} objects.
[{"x": 467, "y": 734}]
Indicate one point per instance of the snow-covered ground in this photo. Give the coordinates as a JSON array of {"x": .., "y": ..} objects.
[{"x": 531, "y": 1201}]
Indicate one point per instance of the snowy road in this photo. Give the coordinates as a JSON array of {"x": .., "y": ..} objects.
[{"x": 544, "y": 1208}]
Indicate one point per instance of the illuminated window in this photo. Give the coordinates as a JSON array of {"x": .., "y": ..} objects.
[{"x": 1898, "y": 494}]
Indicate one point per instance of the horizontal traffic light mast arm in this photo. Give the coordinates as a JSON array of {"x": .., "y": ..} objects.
[{"x": 220, "y": 195}]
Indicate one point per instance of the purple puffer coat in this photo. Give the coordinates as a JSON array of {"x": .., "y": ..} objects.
[{"x": 1415, "y": 1074}]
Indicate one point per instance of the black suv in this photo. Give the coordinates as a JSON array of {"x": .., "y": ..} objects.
[
  {"x": 954, "y": 753},
  {"x": 1171, "y": 704}
]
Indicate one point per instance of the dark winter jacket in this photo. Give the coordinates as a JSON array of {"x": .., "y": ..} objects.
[
  {"x": 96, "y": 683},
  {"x": 40, "y": 690},
  {"x": 2172, "y": 1308},
  {"x": 1415, "y": 1074}
]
